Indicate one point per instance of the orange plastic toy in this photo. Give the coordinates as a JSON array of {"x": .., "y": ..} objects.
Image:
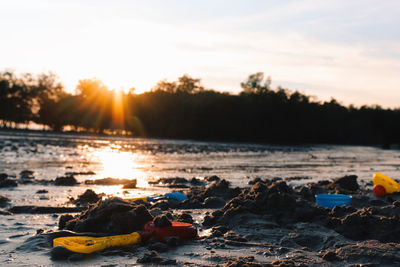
[{"x": 384, "y": 185}]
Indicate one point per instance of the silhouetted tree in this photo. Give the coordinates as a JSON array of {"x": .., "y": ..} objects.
[
  {"x": 16, "y": 97},
  {"x": 185, "y": 84},
  {"x": 256, "y": 84},
  {"x": 185, "y": 109}
]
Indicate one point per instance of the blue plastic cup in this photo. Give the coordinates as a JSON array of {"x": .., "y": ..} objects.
[{"x": 332, "y": 200}]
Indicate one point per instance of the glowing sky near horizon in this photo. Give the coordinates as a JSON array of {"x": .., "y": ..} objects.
[{"x": 349, "y": 50}]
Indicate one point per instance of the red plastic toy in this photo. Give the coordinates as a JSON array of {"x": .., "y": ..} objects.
[{"x": 184, "y": 231}]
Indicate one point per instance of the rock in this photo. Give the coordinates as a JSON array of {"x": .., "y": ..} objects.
[
  {"x": 255, "y": 180},
  {"x": 89, "y": 196},
  {"x": 156, "y": 212},
  {"x": 8, "y": 183},
  {"x": 222, "y": 229},
  {"x": 172, "y": 241},
  {"x": 163, "y": 205},
  {"x": 42, "y": 210},
  {"x": 3, "y": 212},
  {"x": 267, "y": 197},
  {"x": 379, "y": 223},
  {"x": 184, "y": 217},
  {"x": 26, "y": 174},
  {"x": 196, "y": 181},
  {"x": 42, "y": 191},
  {"x": 3, "y": 176},
  {"x": 162, "y": 221},
  {"x": 174, "y": 182},
  {"x": 371, "y": 252},
  {"x": 111, "y": 216},
  {"x": 63, "y": 220},
  {"x": 66, "y": 181},
  {"x": 79, "y": 173},
  {"x": 158, "y": 246},
  {"x": 248, "y": 261},
  {"x": 76, "y": 257},
  {"x": 132, "y": 184},
  {"x": 108, "y": 181},
  {"x": 212, "y": 178},
  {"x": 214, "y": 202},
  {"x": 155, "y": 259},
  {"x": 4, "y": 201},
  {"x": 348, "y": 182},
  {"x": 60, "y": 253},
  {"x": 330, "y": 256}
]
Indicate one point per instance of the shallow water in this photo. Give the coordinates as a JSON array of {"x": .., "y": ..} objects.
[{"x": 53, "y": 155}]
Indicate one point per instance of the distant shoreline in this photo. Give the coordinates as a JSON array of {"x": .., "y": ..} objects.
[{"x": 3, "y": 131}]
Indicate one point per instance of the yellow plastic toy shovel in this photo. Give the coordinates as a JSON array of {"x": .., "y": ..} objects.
[
  {"x": 89, "y": 244},
  {"x": 389, "y": 185}
]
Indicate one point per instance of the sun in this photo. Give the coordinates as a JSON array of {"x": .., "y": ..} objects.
[{"x": 120, "y": 164}]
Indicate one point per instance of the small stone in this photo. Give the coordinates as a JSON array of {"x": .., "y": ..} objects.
[
  {"x": 158, "y": 246},
  {"x": 162, "y": 221},
  {"x": 329, "y": 256},
  {"x": 76, "y": 257},
  {"x": 66, "y": 181},
  {"x": 60, "y": 253}
]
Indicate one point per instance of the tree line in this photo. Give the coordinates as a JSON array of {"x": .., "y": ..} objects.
[{"x": 184, "y": 109}]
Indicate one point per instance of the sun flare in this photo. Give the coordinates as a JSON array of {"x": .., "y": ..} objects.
[
  {"x": 118, "y": 108},
  {"x": 120, "y": 164}
]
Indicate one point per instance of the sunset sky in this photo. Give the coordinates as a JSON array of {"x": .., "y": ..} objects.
[{"x": 349, "y": 50}]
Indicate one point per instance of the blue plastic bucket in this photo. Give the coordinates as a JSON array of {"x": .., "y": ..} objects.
[{"x": 332, "y": 200}]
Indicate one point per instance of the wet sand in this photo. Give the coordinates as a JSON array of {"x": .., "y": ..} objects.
[{"x": 243, "y": 212}]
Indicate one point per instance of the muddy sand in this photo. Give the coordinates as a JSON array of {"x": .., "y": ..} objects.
[
  {"x": 268, "y": 223},
  {"x": 251, "y": 217}
]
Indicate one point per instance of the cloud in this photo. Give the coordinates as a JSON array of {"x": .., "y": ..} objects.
[{"x": 346, "y": 49}]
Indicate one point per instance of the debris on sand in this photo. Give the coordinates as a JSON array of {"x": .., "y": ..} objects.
[
  {"x": 26, "y": 175},
  {"x": 89, "y": 196},
  {"x": 4, "y": 201},
  {"x": 281, "y": 223},
  {"x": 378, "y": 223},
  {"x": 110, "y": 181},
  {"x": 42, "y": 210},
  {"x": 162, "y": 221},
  {"x": 80, "y": 173},
  {"x": 212, "y": 178},
  {"x": 276, "y": 198},
  {"x": 111, "y": 216},
  {"x": 214, "y": 195},
  {"x": 66, "y": 181},
  {"x": 370, "y": 252},
  {"x": 4, "y": 212},
  {"x": 8, "y": 183},
  {"x": 131, "y": 184},
  {"x": 3, "y": 176},
  {"x": 344, "y": 185},
  {"x": 174, "y": 182},
  {"x": 154, "y": 258}
]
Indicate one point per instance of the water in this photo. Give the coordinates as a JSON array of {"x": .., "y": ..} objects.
[{"x": 53, "y": 155}]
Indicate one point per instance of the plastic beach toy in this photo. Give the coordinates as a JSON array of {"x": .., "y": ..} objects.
[
  {"x": 332, "y": 200},
  {"x": 173, "y": 195},
  {"x": 184, "y": 231},
  {"x": 89, "y": 244},
  {"x": 384, "y": 185}
]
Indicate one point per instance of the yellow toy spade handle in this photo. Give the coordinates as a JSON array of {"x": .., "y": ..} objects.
[
  {"x": 390, "y": 185},
  {"x": 89, "y": 244}
]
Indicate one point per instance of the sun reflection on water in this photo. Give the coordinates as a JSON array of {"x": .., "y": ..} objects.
[{"x": 120, "y": 164}]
